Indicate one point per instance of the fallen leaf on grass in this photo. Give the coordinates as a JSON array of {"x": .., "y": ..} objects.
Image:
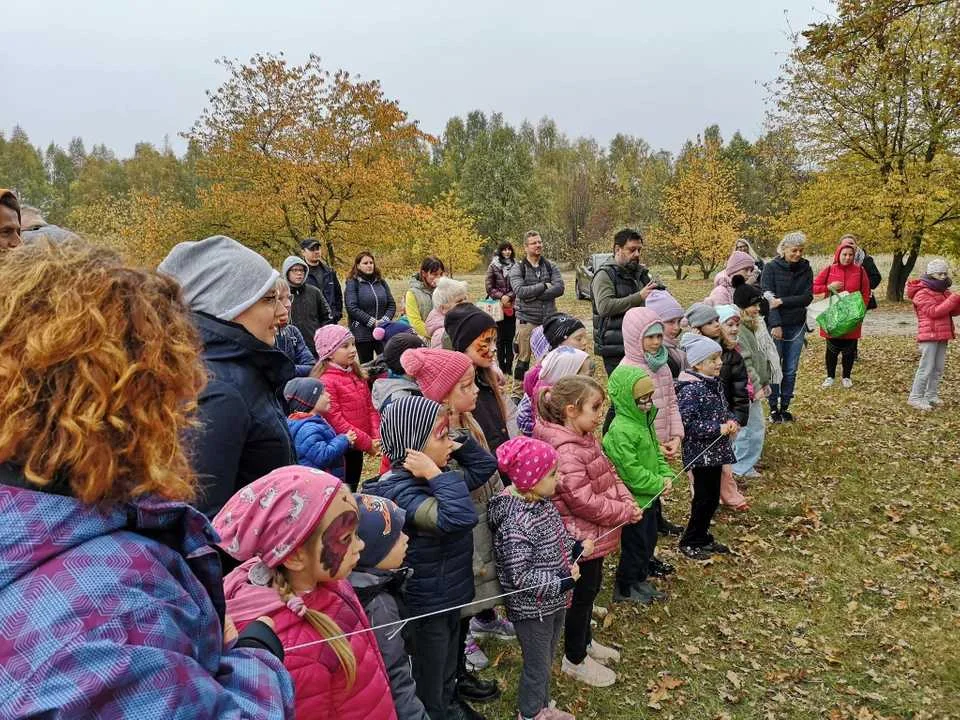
[{"x": 734, "y": 679}]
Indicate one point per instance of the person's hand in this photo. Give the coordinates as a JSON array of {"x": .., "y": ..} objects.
[
  {"x": 648, "y": 288},
  {"x": 836, "y": 286},
  {"x": 420, "y": 465},
  {"x": 504, "y": 301},
  {"x": 775, "y": 303},
  {"x": 667, "y": 486},
  {"x": 637, "y": 514},
  {"x": 766, "y": 390},
  {"x": 777, "y": 332},
  {"x": 730, "y": 427},
  {"x": 374, "y": 447},
  {"x": 351, "y": 436},
  {"x": 673, "y": 447},
  {"x": 588, "y": 547},
  {"x": 575, "y": 571}
]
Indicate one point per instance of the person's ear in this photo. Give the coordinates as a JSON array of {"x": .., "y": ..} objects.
[
  {"x": 297, "y": 560},
  {"x": 570, "y": 411}
]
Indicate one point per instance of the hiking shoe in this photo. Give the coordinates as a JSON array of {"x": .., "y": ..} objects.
[
  {"x": 786, "y": 416},
  {"x": 659, "y": 568},
  {"x": 752, "y": 475},
  {"x": 696, "y": 552},
  {"x": 602, "y": 653},
  {"x": 599, "y": 612},
  {"x": 775, "y": 417},
  {"x": 647, "y": 588},
  {"x": 476, "y": 658},
  {"x": 459, "y": 710},
  {"x": 632, "y": 595},
  {"x": 827, "y": 382},
  {"x": 475, "y": 689},
  {"x": 499, "y": 629},
  {"x": 920, "y": 405},
  {"x": 716, "y": 548},
  {"x": 549, "y": 713},
  {"x": 589, "y": 672},
  {"x": 668, "y": 528},
  {"x": 847, "y": 383}
]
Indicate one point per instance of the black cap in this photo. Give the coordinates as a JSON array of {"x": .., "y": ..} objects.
[{"x": 309, "y": 243}]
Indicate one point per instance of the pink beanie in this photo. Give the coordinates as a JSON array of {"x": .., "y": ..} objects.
[
  {"x": 526, "y": 461},
  {"x": 328, "y": 338},
  {"x": 664, "y": 305},
  {"x": 738, "y": 261},
  {"x": 436, "y": 371},
  {"x": 273, "y": 516}
]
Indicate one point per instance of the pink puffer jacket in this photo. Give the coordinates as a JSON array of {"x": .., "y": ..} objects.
[
  {"x": 319, "y": 682},
  {"x": 667, "y": 423},
  {"x": 351, "y": 407},
  {"x": 935, "y": 312},
  {"x": 590, "y": 497},
  {"x": 434, "y": 326},
  {"x": 722, "y": 293}
]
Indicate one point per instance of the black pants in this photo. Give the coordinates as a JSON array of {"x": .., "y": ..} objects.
[
  {"x": 638, "y": 541},
  {"x": 366, "y": 349},
  {"x": 433, "y": 653},
  {"x": 706, "y": 498},
  {"x": 845, "y": 349},
  {"x": 610, "y": 364},
  {"x": 353, "y": 459},
  {"x": 576, "y": 631},
  {"x": 506, "y": 329}
]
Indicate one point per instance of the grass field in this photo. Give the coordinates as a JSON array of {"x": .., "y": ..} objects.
[{"x": 842, "y": 597}]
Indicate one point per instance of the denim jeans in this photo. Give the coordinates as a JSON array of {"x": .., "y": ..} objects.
[
  {"x": 789, "y": 348},
  {"x": 748, "y": 444}
]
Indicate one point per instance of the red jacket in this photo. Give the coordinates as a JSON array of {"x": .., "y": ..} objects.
[
  {"x": 351, "y": 407},
  {"x": 319, "y": 681},
  {"x": 935, "y": 311},
  {"x": 590, "y": 496},
  {"x": 854, "y": 279}
]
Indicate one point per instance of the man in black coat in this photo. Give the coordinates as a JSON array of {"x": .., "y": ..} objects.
[{"x": 323, "y": 277}]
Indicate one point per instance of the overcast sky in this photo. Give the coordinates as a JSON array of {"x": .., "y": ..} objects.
[{"x": 122, "y": 71}]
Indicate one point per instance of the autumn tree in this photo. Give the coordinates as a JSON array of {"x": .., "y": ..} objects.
[
  {"x": 877, "y": 89},
  {"x": 699, "y": 215},
  {"x": 293, "y": 151}
]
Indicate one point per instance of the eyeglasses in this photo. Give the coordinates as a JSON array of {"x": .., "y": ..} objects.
[{"x": 270, "y": 299}]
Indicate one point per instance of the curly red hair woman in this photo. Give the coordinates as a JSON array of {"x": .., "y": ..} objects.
[{"x": 99, "y": 376}]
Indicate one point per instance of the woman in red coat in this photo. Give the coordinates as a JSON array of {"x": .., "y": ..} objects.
[{"x": 843, "y": 275}]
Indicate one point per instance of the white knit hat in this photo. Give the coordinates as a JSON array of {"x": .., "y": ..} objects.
[{"x": 937, "y": 265}]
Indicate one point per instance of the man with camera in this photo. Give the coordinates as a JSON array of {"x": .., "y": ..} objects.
[{"x": 617, "y": 287}]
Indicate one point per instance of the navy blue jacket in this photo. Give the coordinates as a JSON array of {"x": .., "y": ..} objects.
[
  {"x": 367, "y": 302},
  {"x": 290, "y": 342},
  {"x": 792, "y": 283},
  {"x": 325, "y": 279},
  {"x": 439, "y": 521},
  {"x": 243, "y": 432},
  {"x": 703, "y": 409},
  {"x": 317, "y": 444}
]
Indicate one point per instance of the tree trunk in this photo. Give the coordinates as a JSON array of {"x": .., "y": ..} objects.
[
  {"x": 899, "y": 272},
  {"x": 678, "y": 271},
  {"x": 331, "y": 253}
]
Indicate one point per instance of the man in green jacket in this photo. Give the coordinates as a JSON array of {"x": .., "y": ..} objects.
[{"x": 632, "y": 446}]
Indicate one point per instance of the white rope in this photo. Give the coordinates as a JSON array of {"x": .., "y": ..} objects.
[{"x": 404, "y": 621}]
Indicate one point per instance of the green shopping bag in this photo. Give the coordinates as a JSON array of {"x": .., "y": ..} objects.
[{"x": 843, "y": 315}]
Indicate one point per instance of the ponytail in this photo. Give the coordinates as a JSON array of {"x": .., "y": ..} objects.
[
  {"x": 326, "y": 626},
  {"x": 573, "y": 390}
]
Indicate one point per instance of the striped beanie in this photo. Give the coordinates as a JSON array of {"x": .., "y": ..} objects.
[{"x": 406, "y": 424}]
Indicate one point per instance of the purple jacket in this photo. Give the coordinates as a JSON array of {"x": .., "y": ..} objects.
[{"x": 118, "y": 614}]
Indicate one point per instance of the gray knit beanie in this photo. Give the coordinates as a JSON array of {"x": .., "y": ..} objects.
[
  {"x": 700, "y": 314},
  {"x": 698, "y": 348},
  {"x": 219, "y": 276}
]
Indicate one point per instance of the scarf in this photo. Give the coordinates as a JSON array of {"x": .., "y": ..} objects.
[
  {"x": 656, "y": 360},
  {"x": 936, "y": 284}
]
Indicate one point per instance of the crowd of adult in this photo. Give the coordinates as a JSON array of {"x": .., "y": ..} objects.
[{"x": 134, "y": 402}]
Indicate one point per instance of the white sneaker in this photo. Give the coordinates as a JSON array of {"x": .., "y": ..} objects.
[
  {"x": 476, "y": 658},
  {"x": 589, "y": 672},
  {"x": 934, "y": 401},
  {"x": 828, "y": 382},
  {"x": 847, "y": 382},
  {"x": 920, "y": 405},
  {"x": 602, "y": 654}
]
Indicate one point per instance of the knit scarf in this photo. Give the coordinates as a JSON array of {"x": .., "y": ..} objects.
[
  {"x": 936, "y": 284},
  {"x": 656, "y": 360}
]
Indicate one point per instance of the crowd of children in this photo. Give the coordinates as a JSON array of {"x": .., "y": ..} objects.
[{"x": 379, "y": 598}]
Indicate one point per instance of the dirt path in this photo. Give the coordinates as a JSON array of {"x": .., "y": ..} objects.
[{"x": 890, "y": 323}]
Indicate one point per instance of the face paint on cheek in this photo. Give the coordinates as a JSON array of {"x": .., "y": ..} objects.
[{"x": 335, "y": 548}]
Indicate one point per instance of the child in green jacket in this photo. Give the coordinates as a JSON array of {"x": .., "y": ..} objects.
[{"x": 632, "y": 446}]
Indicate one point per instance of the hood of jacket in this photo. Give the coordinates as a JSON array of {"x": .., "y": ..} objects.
[
  {"x": 370, "y": 582},
  {"x": 434, "y": 321},
  {"x": 417, "y": 284},
  {"x": 845, "y": 243},
  {"x": 799, "y": 266},
  {"x": 620, "y": 386},
  {"x": 635, "y": 324},
  {"x": 225, "y": 341},
  {"x": 384, "y": 388},
  {"x": 292, "y": 262}
]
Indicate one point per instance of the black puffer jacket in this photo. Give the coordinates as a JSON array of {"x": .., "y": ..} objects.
[
  {"x": 243, "y": 431},
  {"x": 488, "y": 415},
  {"x": 792, "y": 283},
  {"x": 734, "y": 379}
]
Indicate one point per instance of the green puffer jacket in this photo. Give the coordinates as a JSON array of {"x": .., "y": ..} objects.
[{"x": 631, "y": 442}]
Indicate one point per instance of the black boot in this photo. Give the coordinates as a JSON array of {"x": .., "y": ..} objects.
[
  {"x": 472, "y": 687},
  {"x": 460, "y": 710}
]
